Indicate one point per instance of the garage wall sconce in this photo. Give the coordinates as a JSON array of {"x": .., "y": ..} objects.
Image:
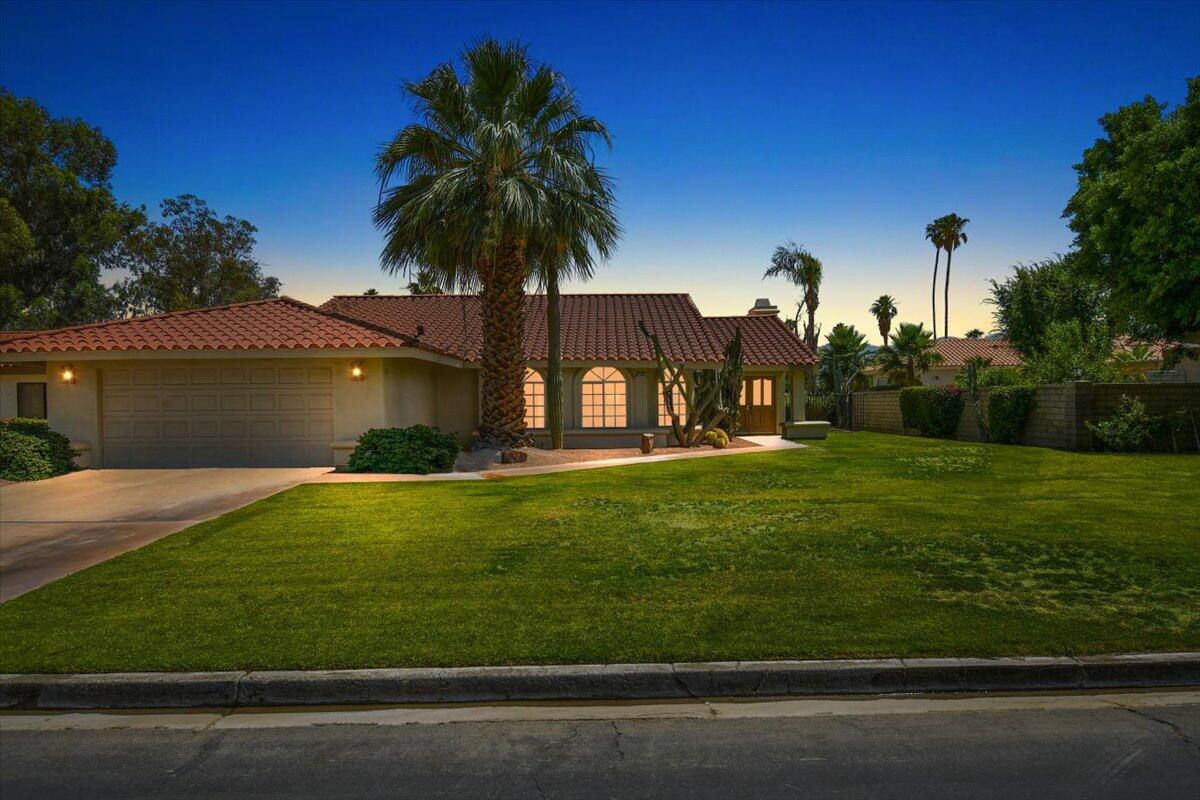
[
  {"x": 356, "y": 372},
  {"x": 67, "y": 374}
]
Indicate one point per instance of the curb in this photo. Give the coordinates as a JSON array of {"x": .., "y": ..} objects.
[{"x": 596, "y": 682}]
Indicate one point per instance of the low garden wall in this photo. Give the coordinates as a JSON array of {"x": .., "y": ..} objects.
[{"x": 1058, "y": 415}]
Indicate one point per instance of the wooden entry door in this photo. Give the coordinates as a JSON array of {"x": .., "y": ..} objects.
[{"x": 758, "y": 405}]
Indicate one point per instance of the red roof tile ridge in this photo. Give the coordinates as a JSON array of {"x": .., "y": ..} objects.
[
  {"x": 123, "y": 320},
  {"x": 527, "y": 294}
]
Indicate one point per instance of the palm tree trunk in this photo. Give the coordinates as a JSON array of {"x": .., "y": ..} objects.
[
  {"x": 946, "y": 296},
  {"x": 554, "y": 382},
  {"x": 502, "y": 368},
  {"x": 937, "y": 254},
  {"x": 810, "y": 331}
]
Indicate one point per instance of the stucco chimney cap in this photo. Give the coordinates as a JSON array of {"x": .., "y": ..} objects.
[{"x": 763, "y": 307}]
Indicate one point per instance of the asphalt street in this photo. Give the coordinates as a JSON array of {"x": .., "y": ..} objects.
[{"x": 1054, "y": 746}]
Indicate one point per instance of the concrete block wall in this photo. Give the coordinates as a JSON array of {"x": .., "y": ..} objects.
[{"x": 1059, "y": 413}]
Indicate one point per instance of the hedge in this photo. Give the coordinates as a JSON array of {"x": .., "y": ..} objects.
[
  {"x": 418, "y": 450},
  {"x": 1008, "y": 408},
  {"x": 931, "y": 410},
  {"x": 30, "y": 451}
]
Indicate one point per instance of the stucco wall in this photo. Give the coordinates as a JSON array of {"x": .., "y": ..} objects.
[{"x": 456, "y": 401}]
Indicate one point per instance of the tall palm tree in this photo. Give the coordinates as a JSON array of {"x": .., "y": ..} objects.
[
  {"x": 884, "y": 311},
  {"x": 933, "y": 232},
  {"x": 498, "y": 165},
  {"x": 909, "y": 356},
  {"x": 803, "y": 269},
  {"x": 953, "y": 237},
  {"x": 585, "y": 229}
]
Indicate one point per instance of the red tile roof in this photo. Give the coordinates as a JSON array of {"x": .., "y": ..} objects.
[
  {"x": 278, "y": 323},
  {"x": 765, "y": 340},
  {"x": 595, "y": 327},
  {"x": 955, "y": 352}
]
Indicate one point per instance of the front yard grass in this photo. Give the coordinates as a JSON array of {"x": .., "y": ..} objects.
[{"x": 864, "y": 545}]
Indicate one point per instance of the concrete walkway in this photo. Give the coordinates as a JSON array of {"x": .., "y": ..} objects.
[
  {"x": 54, "y": 527},
  {"x": 763, "y": 444}
]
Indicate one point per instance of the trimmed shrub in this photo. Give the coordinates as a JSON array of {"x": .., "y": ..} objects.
[
  {"x": 30, "y": 451},
  {"x": 1128, "y": 429},
  {"x": 931, "y": 410},
  {"x": 1008, "y": 408},
  {"x": 717, "y": 438},
  {"x": 417, "y": 450}
]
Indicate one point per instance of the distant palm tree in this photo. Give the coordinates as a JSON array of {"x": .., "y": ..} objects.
[
  {"x": 424, "y": 281},
  {"x": 803, "y": 269},
  {"x": 497, "y": 172},
  {"x": 909, "y": 356},
  {"x": 371, "y": 292},
  {"x": 974, "y": 333},
  {"x": 884, "y": 311},
  {"x": 953, "y": 237},
  {"x": 933, "y": 232}
]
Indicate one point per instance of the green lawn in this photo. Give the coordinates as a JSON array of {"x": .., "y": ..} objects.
[{"x": 865, "y": 545}]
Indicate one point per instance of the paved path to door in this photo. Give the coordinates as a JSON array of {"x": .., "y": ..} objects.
[
  {"x": 762, "y": 444},
  {"x": 52, "y": 528}
]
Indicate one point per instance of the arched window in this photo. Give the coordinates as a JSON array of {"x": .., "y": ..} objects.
[
  {"x": 603, "y": 398},
  {"x": 676, "y": 402},
  {"x": 535, "y": 399}
]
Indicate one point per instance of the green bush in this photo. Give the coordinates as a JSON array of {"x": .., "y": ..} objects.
[
  {"x": 418, "y": 450},
  {"x": 1128, "y": 429},
  {"x": 1008, "y": 408},
  {"x": 931, "y": 410},
  {"x": 30, "y": 451},
  {"x": 818, "y": 407},
  {"x": 717, "y": 438}
]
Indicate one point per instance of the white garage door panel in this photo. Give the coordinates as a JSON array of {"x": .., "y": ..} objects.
[{"x": 244, "y": 414}]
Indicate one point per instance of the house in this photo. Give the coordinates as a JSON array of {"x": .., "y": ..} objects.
[
  {"x": 957, "y": 351},
  {"x": 279, "y": 382}
]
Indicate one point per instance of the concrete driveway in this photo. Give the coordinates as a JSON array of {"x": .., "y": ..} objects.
[{"x": 52, "y": 528}]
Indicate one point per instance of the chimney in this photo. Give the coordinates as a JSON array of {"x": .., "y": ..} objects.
[{"x": 763, "y": 308}]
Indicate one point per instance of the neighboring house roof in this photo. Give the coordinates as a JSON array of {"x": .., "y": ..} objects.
[
  {"x": 955, "y": 352},
  {"x": 595, "y": 327},
  {"x": 6, "y": 335},
  {"x": 277, "y": 323}
]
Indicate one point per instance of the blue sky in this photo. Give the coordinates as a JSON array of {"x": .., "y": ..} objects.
[{"x": 844, "y": 127}]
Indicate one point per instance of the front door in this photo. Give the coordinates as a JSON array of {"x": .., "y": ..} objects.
[{"x": 758, "y": 405}]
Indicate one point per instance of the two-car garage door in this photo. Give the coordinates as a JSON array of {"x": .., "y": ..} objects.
[{"x": 243, "y": 413}]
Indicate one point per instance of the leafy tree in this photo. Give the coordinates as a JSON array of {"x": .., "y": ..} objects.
[
  {"x": 909, "y": 356},
  {"x": 1136, "y": 212},
  {"x": 497, "y": 173},
  {"x": 953, "y": 237},
  {"x": 802, "y": 269},
  {"x": 1071, "y": 352},
  {"x": 935, "y": 235},
  {"x": 884, "y": 311},
  {"x": 60, "y": 225},
  {"x": 974, "y": 333},
  {"x": 1039, "y": 295},
  {"x": 192, "y": 260},
  {"x": 424, "y": 281}
]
